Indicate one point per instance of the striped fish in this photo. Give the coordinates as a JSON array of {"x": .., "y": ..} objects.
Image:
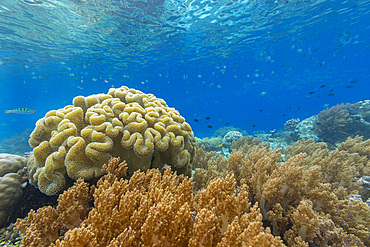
[{"x": 21, "y": 111}]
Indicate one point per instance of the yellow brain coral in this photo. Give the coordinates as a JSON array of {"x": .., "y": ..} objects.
[{"x": 77, "y": 140}]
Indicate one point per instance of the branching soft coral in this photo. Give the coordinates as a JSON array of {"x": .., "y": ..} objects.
[
  {"x": 336, "y": 123},
  {"x": 339, "y": 168},
  {"x": 315, "y": 182},
  {"x": 303, "y": 201},
  {"x": 43, "y": 227},
  {"x": 362, "y": 149},
  {"x": 152, "y": 209}
]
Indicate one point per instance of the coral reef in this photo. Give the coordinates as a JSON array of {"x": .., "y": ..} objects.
[
  {"x": 221, "y": 132},
  {"x": 281, "y": 139},
  {"x": 149, "y": 210},
  {"x": 17, "y": 144},
  {"x": 335, "y": 124},
  {"x": 357, "y": 146},
  {"x": 339, "y": 168},
  {"x": 10, "y": 163},
  {"x": 247, "y": 143},
  {"x": 291, "y": 124},
  {"x": 252, "y": 198},
  {"x": 210, "y": 144},
  {"x": 77, "y": 140},
  {"x": 10, "y": 192},
  {"x": 365, "y": 110},
  {"x": 9, "y": 237},
  {"x": 228, "y": 139},
  {"x": 231, "y": 136},
  {"x": 10, "y": 184},
  {"x": 305, "y": 129},
  {"x": 307, "y": 199},
  {"x": 361, "y": 150}
]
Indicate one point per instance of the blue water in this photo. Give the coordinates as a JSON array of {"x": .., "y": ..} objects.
[{"x": 253, "y": 64}]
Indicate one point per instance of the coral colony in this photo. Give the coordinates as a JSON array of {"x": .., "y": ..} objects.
[{"x": 154, "y": 186}]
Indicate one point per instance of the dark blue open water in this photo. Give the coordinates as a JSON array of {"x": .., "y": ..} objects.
[{"x": 253, "y": 64}]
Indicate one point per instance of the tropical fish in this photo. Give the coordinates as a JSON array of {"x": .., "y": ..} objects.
[
  {"x": 21, "y": 111},
  {"x": 220, "y": 145}
]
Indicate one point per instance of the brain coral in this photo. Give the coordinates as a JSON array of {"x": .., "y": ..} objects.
[{"x": 77, "y": 140}]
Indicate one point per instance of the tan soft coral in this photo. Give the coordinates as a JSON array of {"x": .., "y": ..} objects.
[
  {"x": 339, "y": 167},
  {"x": 314, "y": 182},
  {"x": 43, "y": 227},
  {"x": 152, "y": 209},
  {"x": 77, "y": 140},
  {"x": 360, "y": 147}
]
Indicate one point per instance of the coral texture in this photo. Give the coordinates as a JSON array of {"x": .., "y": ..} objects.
[
  {"x": 365, "y": 108},
  {"x": 77, "y": 140},
  {"x": 306, "y": 199},
  {"x": 362, "y": 148},
  {"x": 10, "y": 184},
  {"x": 10, "y": 192},
  {"x": 211, "y": 144},
  {"x": 341, "y": 121},
  {"x": 291, "y": 124},
  {"x": 230, "y": 137},
  {"x": 150, "y": 209},
  {"x": 10, "y": 163},
  {"x": 251, "y": 198}
]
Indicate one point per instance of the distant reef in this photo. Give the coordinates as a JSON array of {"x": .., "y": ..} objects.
[{"x": 17, "y": 144}]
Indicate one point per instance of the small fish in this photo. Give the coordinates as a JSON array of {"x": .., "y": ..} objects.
[
  {"x": 353, "y": 81},
  {"x": 325, "y": 105},
  {"x": 284, "y": 115},
  {"x": 260, "y": 110},
  {"x": 21, "y": 111},
  {"x": 289, "y": 107},
  {"x": 254, "y": 125},
  {"x": 331, "y": 94},
  {"x": 311, "y": 92},
  {"x": 349, "y": 86},
  {"x": 220, "y": 145},
  {"x": 209, "y": 126},
  {"x": 299, "y": 108},
  {"x": 331, "y": 90},
  {"x": 196, "y": 120},
  {"x": 322, "y": 86},
  {"x": 208, "y": 118},
  {"x": 227, "y": 123}
]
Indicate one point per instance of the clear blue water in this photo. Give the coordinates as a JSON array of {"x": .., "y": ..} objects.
[{"x": 253, "y": 64}]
